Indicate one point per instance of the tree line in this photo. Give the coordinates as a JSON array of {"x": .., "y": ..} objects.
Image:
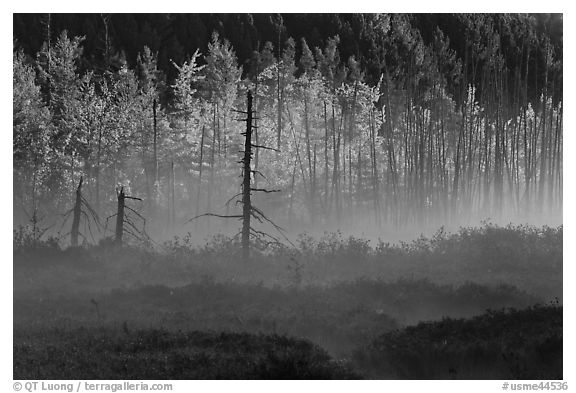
[{"x": 445, "y": 133}]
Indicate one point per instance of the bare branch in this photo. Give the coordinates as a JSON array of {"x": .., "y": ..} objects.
[
  {"x": 134, "y": 227},
  {"x": 264, "y": 234},
  {"x": 213, "y": 215},
  {"x": 91, "y": 210},
  {"x": 66, "y": 218},
  {"x": 264, "y": 190},
  {"x": 276, "y": 226},
  {"x": 257, "y": 172},
  {"x": 132, "y": 234},
  {"x": 67, "y": 213},
  {"x": 253, "y": 214},
  {"x": 135, "y": 212},
  {"x": 266, "y": 147},
  {"x": 87, "y": 223},
  {"x": 230, "y": 200}
]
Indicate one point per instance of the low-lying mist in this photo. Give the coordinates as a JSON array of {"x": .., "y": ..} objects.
[{"x": 339, "y": 291}]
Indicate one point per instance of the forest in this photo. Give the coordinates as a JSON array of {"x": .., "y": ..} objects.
[
  {"x": 414, "y": 126},
  {"x": 396, "y": 179}
]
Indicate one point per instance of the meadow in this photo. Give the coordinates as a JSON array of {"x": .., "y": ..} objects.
[{"x": 483, "y": 302}]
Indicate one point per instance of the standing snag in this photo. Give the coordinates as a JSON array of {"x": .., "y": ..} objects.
[
  {"x": 76, "y": 220},
  {"x": 81, "y": 208},
  {"x": 250, "y": 211},
  {"x": 247, "y": 170},
  {"x": 120, "y": 217},
  {"x": 124, "y": 222}
]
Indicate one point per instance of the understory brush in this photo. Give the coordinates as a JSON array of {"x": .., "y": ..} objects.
[
  {"x": 380, "y": 308},
  {"x": 97, "y": 353},
  {"x": 337, "y": 317},
  {"x": 527, "y": 257},
  {"x": 505, "y": 344}
]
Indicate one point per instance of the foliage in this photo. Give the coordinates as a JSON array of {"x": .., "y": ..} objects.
[
  {"x": 507, "y": 344},
  {"x": 397, "y": 121},
  {"x": 527, "y": 257},
  {"x": 314, "y": 292},
  {"x": 98, "y": 353},
  {"x": 27, "y": 242}
]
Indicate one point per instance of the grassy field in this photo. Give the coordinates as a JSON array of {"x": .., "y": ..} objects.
[{"x": 329, "y": 308}]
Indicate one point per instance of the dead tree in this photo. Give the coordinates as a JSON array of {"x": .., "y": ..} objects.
[
  {"x": 120, "y": 217},
  {"x": 76, "y": 220},
  {"x": 250, "y": 211},
  {"x": 246, "y": 172},
  {"x": 81, "y": 209},
  {"x": 124, "y": 221}
]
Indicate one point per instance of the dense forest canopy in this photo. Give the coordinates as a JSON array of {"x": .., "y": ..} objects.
[
  {"x": 175, "y": 37},
  {"x": 381, "y": 120}
]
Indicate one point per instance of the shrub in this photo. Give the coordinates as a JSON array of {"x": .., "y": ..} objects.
[{"x": 506, "y": 344}]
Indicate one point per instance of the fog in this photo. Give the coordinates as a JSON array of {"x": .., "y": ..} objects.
[{"x": 253, "y": 199}]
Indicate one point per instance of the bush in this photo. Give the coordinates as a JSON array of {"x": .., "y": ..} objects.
[
  {"x": 512, "y": 344},
  {"x": 160, "y": 354},
  {"x": 27, "y": 242}
]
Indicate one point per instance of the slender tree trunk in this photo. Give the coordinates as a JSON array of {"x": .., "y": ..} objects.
[
  {"x": 75, "y": 231},
  {"x": 120, "y": 218},
  {"x": 98, "y": 163},
  {"x": 336, "y": 168},
  {"x": 306, "y": 127},
  {"x": 292, "y": 184},
  {"x": 374, "y": 163},
  {"x": 256, "y": 104},
  {"x": 173, "y": 192},
  {"x": 105, "y": 21},
  {"x": 212, "y": 161},
  {"x": 49, "y": 100},
  {"x": 313, "y": 189},
  {"x": 200, "y": 167},
  {"x": 155, "y": 143},
  {"x": 246, "y": 187},
  {"x": 543, "y": 141},
  {"x": 326, "y": 173},
  {"x": 311, "y": 172},
  {"x": 279, "y": 97}
]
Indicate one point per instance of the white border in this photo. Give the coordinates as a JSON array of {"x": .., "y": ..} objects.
[{"x": 240, "y": 6}]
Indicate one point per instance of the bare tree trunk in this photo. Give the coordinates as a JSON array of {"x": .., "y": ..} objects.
[
  {"x": 543, "y": 142},
  {"x": 49, "y": 100},
  {"x": 390, "y": 148},
  {"x": 326, "y": 173},
  {"x": 559, "y": 158},
  {"x": 120, "y": 218},
  {"x": 173, "y": 191},
  {"x": 311, "y": 175},
  {"x": 336, "y": 167},
  {"x": 313, "y": 188},
  {"x": 212, "y": 162},
  {"x": 375, "y": 191},
  {"x": 98, "y": 163},
  {"x": 256, "y": 135},
  {"x": 105, "y": 21},
  {"x": 246, "y": 188},
  {"x": 200, "y": 167},
  {"x": 279, "y": 90},
  {"x": 75, "y": 231},
  {"x": 306, "y": 127},
  {"x": 292, "y": 183},
  {"x": 155, "y": 144}
]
